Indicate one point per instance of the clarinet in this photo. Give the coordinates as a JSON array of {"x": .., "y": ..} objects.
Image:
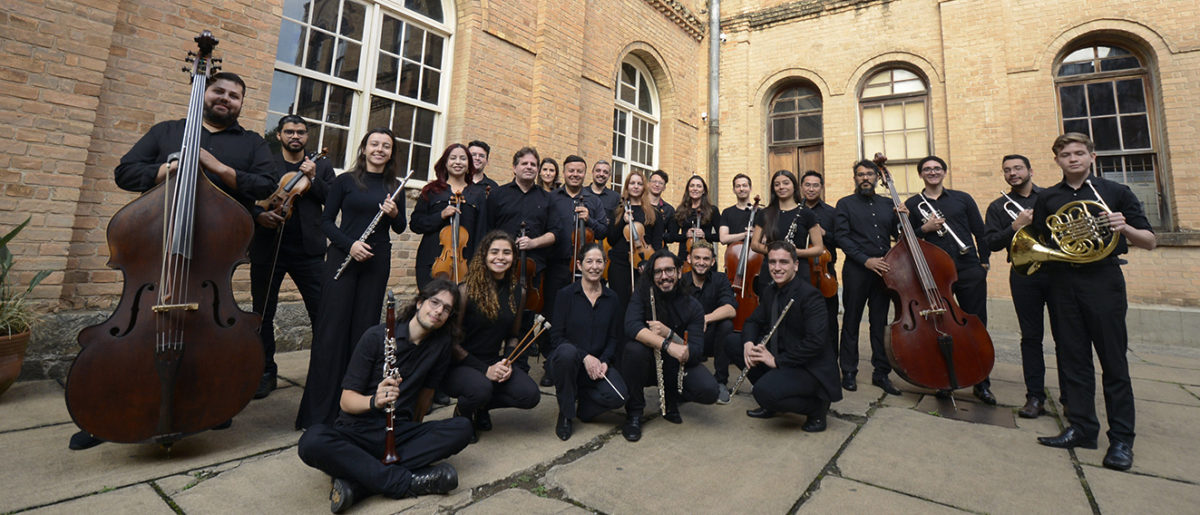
[
  {"x": 390, "y": 370},
  {"x": 371, "y": 228},
  {"x": 761, "y": 343}
]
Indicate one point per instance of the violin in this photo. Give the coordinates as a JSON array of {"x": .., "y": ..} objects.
[
  {"x": 177, "y": 356},
  {"x": 580, "y": 236},
  {"x": 819, "y": 275},
  {"x": 742, "y": 262},
  {"x": 635, "y": 234},
  {"x": 291, "y": 186},
  {"x": 933, "y": 343},
  {"x": 452, "y": 263},
  {"x": 530, "y": 283}
]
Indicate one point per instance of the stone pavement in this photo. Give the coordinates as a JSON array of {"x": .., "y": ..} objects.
[{"x": 881, "y": 454}]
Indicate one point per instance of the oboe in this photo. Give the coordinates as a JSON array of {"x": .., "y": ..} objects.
[
  {"x": 390, "y": 370},
  {"x": 371, "y": 228},
  {"x": 761, "y": 343}
]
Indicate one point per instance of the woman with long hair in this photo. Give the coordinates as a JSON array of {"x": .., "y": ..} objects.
[
  {"x": 547, "y": 177},
  {"x": 352, "y": 303},
  {"x": 777, "y": 219},
  {"x": 480, "y": 377},
  {"x": 452, "y": 192},
  {"x": 695, "y": 217},
  {"x": 638, "y": 197}
]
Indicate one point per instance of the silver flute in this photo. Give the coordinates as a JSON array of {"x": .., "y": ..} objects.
[
  {"x": 371, "y": 228},
  {"x": 928, "y": 211},
  {"x": 658, "y": 360},
  {"x": 761, "y": 343}
]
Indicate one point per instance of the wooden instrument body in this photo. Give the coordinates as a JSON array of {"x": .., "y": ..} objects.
[
  {"x": 291, "y": 186},
  {"x": 819, "y": 275},
  {"x": 640, "y": 250},
  {"x": 531, "y": 283},
  {"x": 913, "y": 345},
  {"x": 120, "y": 388},
  {"x": 451, "y": 264},
  {"x": 747, "y": 300}
]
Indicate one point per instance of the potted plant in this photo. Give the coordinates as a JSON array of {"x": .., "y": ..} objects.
[{"x": 15, "y": 315}]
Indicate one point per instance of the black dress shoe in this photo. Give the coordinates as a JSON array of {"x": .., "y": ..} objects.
[
  {"x": 83, "y": 440},
  {"x": 546, "y": 380},
  {"x": 886, "y": 385},
  {"x": 816, "y": 420},
  {"x": 441, "y": 399},
  {"x": 1033, "y": 408},
  {"x": 438, "y": 479},
  {"x": 483, "y": 420},
  {"x": 760, "y": 412},
  {"x": 632, "y": 430},
  {"x": 223, "y": 425},
  {"x": 266, "y": 385},
  {"x": 848, "y": 383},
  {"x": 343, "y": 495},
  {"x": 1069, "y": 438},
  {"x": 563, "y": 429},
  {"x": 1119, "y": 456},
  {"x": 984, "y": 394}
]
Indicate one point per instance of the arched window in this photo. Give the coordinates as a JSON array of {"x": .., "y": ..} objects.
[
  {"x": 635, "y": 121},
  {"x": 348, "y": 66},
  {"x": 894, "y": 105},
  {"x": 795, "y": 131},
  {"x": 1102, "y": 92}
]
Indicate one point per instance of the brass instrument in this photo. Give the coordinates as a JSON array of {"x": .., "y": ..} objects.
[
  {"x": 1081, "y": 236},
  {"x": 390, "y": 370},
  {"x": 928, "y": 211},
  {"x": 1012, "y": 207},
  {"x": 761, "y": 343}
]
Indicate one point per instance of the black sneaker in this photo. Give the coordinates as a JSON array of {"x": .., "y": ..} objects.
[
  {"x": 83, "y": 440},
  {"x": 266, "y": 385},
  {"x": 437, "y": 479},
  {"x": 342, "y": 496}
]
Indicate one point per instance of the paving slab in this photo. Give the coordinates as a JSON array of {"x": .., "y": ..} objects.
[
  {"x": 1162, "y": 373},
  {"x": 139, "y": 498},
  {"x": 1194, "y": 390},
  {"x": 262, "y": 426},
  {"x": 716, "y": 461},
  {"x": 856, "y": 403},
  {"x": 906, "y": 399},
  {"x": 1165, "y": 445},
  {"x": 838, "y": 495},
  {"x": 1170, "y": 393},
  {"x": 31, "y": 404},
  {"x": 1169, "y": 360},
  {"x": 515, "y": 500},
  {"x": 940, "y": 460},
  {"x": 293, "y": 366},
  {"x": 1121, "y": 492}
]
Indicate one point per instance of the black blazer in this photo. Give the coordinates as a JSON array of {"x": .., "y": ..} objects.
[
  {"x": 306, "y": 214},
  {"x": 800, "y": 338}
]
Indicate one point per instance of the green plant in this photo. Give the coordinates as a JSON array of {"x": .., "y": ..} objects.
[{"x": 15, "y": 315}]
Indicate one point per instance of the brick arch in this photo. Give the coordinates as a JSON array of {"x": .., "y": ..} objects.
[
  {"x": 654, "y": 62},
  {"x": 912, "y": 62},
  {"x": 772, "y": 84},
  {"x": 1140, "y": 38}
]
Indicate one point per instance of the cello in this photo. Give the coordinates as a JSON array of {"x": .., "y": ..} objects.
[
  {"x": 819, "y": 276},
  {"x": 933, "y": 343},
  {"x": 177, "y": 356},
  {"x": 453, "y": 238},
  {"x": 742, "y": 262}
]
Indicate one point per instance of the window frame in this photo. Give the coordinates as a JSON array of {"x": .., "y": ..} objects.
[
  {"x": 794, "y": 116},
  {"x": 622, "y": 165},
  {"x": 882, "y": 101}
]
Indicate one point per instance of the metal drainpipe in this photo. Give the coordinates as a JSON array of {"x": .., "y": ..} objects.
[{"x": 714, "y": 74}]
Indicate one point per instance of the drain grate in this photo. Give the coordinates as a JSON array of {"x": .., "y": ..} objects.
[{"x": 968, "y": 411}]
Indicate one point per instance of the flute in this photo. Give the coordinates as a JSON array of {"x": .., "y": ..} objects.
[
  {"x": 371, "y": 228},
  {"x": 761, "y": 343},
  {"x": 390, "y": 370}
]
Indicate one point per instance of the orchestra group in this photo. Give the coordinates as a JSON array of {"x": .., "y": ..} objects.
[{"x": 618, "y": 290}]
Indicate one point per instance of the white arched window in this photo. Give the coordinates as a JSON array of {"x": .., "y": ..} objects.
[
  {"x": 348, "y": 66},
  {"x": 635, "y": 121},
  {"x": 894, "y": 104}
]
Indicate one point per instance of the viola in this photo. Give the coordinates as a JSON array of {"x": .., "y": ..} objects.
[
  {"x": 177, "y": 356},
  {"x": 819, "y": 275},
  {"x": 452, "y": 263},
  {"x": 934, "y": 343},
  {"x": 292, "y": 185},
  {"x": 741, "y": 262},
  {"x": 530, "y": 283},
  {"x": 580, "y": 236}
]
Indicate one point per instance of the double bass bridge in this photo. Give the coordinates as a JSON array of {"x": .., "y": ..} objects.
[
  {"x": 932, "y": 311},
  {"x": 164, "y": 308}
]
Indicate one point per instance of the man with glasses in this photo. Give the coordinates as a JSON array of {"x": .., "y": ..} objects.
[
  {"x": 656, "y": 184},
  {"x": 677, "y": 332}
]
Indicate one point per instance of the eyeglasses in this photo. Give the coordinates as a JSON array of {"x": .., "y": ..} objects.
[
  {"x": 864, "y": 175},
  {"x": 437, "y": 305},
  {"x": 929, "y": 169},
  {"x": 664, "y": 271}
]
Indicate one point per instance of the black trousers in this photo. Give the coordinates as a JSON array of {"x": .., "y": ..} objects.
[
  {"x": 264, "y": 290},
  {"x": 716, "y": 337},
  {"x": 970, "y": 291},
  {"x": 354, "y": 453},
  {"x": 474, "y": 390},
  {"x": 1030, "y": 294},
  {"x": 578, "y": 394},
  {"x": 863, "y": 288},
  {"x": 349, "y": 306},
  {"x": 791, "y": 390},
  {"x": 831, "y": 321},
  {"x": 1087, "y": 309},
  {"x": 558, "y": 276},
  {"x": 618, "y": 276},
  {"x": 637, "y": 367}
]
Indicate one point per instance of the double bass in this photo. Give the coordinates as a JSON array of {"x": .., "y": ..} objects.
[
  {"x": 177, "y": 356},
  {"x": 451, "y": 263},
  {"x": 933, "y": 343},
  {"x": 742, "y": 262}
]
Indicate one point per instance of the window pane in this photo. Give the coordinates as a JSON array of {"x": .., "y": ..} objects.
[
  {"x": 1072, "y": 101},
  {"x": 1104, "y": 133},
  {"x": 914, "y": 115},
  {"x": 872, "y": 144},
  {"x": 1130, "y": 97},
  {"x": 1076, "y": 68},
  {"x": 385, "y": 77},
  {"x": 341, "y": 100},
  {"x": 283, "y": 92},
  {"x": 1135, "y": 131},
  {"x": 390, "y": 39},
  {"x": 784, "y": 106},
  {"x": 622, "y": 122},
  {"x": 628, "y": 73},
  {"x": 420, "y": 161},
  {"x": 900, "y": 74},
  {"x": 1124, "y": 63},
  {"x": 894, "y": 146},
  {"x": 423, "y": 129},
  {"x": 918, "y": 144},
  {"x": 1111, "y": 51},
  {"x": 325, "y": 14},
  {"x": 628, "y": 94},
  {"x": 882, "y": 77},
  {"x": 893, "y": 116},
  {"x": 1080, "y": 126},
  {"x": 401, "y": 151},
  {"x": 295, "y": 9},
  {"x": 644, "y": 100},
  {"x": 909, "y": 86},
  {"x": 877, "y": 91},
  {"x": 320, "y": 51},
  {"x": 291, "y": 41},
  {"x": 810, "y": 126},
  {"x": 414, "y": 43},
  {"x": 353, "y": 16},
  {"x": 783, "y": 129},
  {"x": 1100, "y": 99},
  {"x": 346, "y": 65},
  {"x": 809, "y": 101},
  {"x": 334, "y": 139},
  {"x": 911, "y": 178},
  {"x": 381, "y": 114},
  {"x": 402, "y": 121},
  {"x": 649, "y": 133},
  {"x": 429, "y": 86},
  {"x": 1083, "y": 54},
  {"x": 872, "y": 119},
  {"x": 409, "y": 76},
  {"x": 429, "y": 8},
  {"x": 312, "y": 99},
  {"x": 433, "y": 51}
]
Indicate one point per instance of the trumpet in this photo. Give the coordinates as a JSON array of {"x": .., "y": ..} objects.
[
  {"x": 1012, "y": 207},
  {"x": 1081, "y": 230},
  {"x": 928, "y": 211}
]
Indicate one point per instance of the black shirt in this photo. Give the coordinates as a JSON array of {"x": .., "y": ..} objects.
[
  {"x": 302, "y": 234},
  {"x": 358, "y": 206},
  {"x": 421, "y": 366},
  {"x": 715, "y": 293},
  {"x": 619, "y": 246},
  {"x": 483, "y": 338},
  {"x": 825, "y": 218},
  {"x": 244, "y": 151},
  {"x": 676, "y": 231},
  {"x": 864, "y": 226},
  {"x": 665, "y": 211},
  {"x": 1119, "y": 197},
  {"x": 563, "y": 209},
  {"x": 962, "y": 215},
  {"x": 593, "y": 329},
  {"x": 799, "y": 342},
  {"x": 998, "y": 231},
  {"x": 609, "y": 199},
  {"x": 508, "y": 206},
  {"x": 736, "y": 219},
  {"x": 804, "y": 219},
  {"x": 487, "y": 181},
  {"x": 427, "y": 221},
  {"x": 681, "y": 312}
]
